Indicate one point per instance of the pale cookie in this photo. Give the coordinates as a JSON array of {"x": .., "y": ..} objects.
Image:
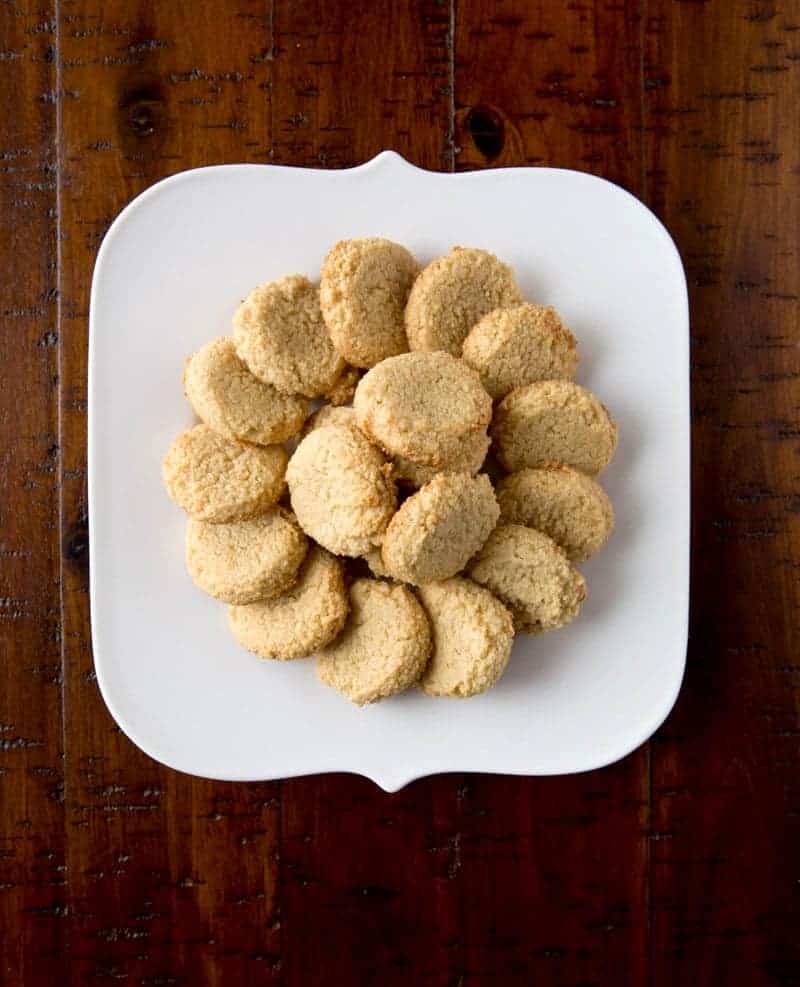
[
  {"x": 363, "y": 292},
  {"x": 384, "y": 647},
  {"x": 344, "y": 387},
  {"x": 472, "y": 637},
  {"x": 422, "y": 406},
  {"x": 375, "y": 563},
  {"x": 245, "y": 561},
  {"x": 341, "y": 489},
  {"x": 553, "y": 421},
  {"x": 452, "y": 293},
  {"x": 217, "y": 479},
  {"x": 439, "y": 528},
  {"x": 304, "y": 619},
  {"x": 279, "y": 333},
  {"x": 569, "y": 506},
  {"x": 531, "y": 575},
  {"x": 468, "y": 459},
  {"x": 330, "y": 414},
  {"x": 510, "y": 347},
  {"x": 226, "y": 396}
]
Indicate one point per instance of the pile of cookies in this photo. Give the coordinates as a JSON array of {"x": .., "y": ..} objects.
[{"x": 394, "y": 559}]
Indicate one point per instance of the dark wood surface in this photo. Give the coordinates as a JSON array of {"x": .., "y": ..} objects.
[{"x": 679, "y": 865}]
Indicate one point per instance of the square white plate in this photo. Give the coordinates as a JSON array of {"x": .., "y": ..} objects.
[{"x": 169, "y": 274}]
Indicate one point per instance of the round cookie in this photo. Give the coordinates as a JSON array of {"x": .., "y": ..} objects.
[
  {"x": 279, "y": 333},
  {"x": 422, "y": 406},
  {"x": 472, "y": 637},
  {"x": 569, "y": 506},
  {"x": 330, "y": 414},
  {"x": 553, "y": 421},
  {"x": 510, "y": 347},
  {"x": 384, "y": 647},
  {"x": 305, "y": 618},
  {"x": 341, "y": 489},
  {"x": 469, "y": 459},
  {"x": 344, "y": 387},
  {"x": 452, "y": 293},
  {"x": 226, "y": 396},
  {"x": 217, "y": 479},
  {"x": 245, "y": 561},
  {"x": 528, "y": 572},
  {"x": 439, "y": 528},
  {"x": 363, "y": 292}
]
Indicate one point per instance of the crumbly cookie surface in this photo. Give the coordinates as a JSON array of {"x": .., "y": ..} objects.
[
  {"x": 553, "y": 421},
  {"x": 439, "y": 528},
  {"x": 384, "y": 646},
  {"x": 305, "y": 618},
  {"x": 341, "y": 489},
  {"x": 472, "y": 638},
  {"x": 422, "y": 406},
  {"x": 245, "y": 561},
  {"x": 280, "y": 335},
  {"x": 227, "y": 397},
  {"x": 468, "y": 457},
  {"x": 363, "y": 292},
  {"x": 452, "y": 293},
  {"x": 217, "y": 479},
  {"x": 569, "y": 506},
  {"x": 510, "y": 347},
  {"x": 528, "y": 572},
  {"x": 330, "y": 414}
]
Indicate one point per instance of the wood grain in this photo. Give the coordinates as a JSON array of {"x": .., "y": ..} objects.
[
  {"x": 680, "y": 864},
  {"x": 32, "y": 867}
]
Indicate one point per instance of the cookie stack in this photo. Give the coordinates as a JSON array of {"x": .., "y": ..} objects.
[{"x": 394, "y": 559}]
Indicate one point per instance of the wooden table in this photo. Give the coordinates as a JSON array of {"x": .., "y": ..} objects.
[{"x": 678, "y": 866}]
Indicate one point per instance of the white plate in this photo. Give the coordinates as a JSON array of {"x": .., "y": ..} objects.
[{"x": 169, "y": 274}]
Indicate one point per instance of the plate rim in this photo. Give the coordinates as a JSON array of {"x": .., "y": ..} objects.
[{"x": 386, "y": 780}]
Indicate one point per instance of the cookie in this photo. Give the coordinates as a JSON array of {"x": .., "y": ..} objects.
[
  {"x": 422, "y": 406},
  {"x": 330, "y": 414},
  {"x": 569, "y": 506},
  {"x": 304, "y": 619},
  {"x": 452, "y": 293},
  {"x": 375, "y": 564},
  {"x": 384, "y": 646},
  {"x": 226, "y": 396},
  {"x": 218, "y": 479},
  {"x": 245, "y": 561},
  {"x": 468, "y": 459},
  {"x": 510, "y": 347},
  {"x": 341, "y": 489},
  {"x": 280, "y": 335},
  {"x": 528, "y": 572},
  {"x": 439, "y": 528},
  {"x": 363, "y": 292},
  {"x": 472, "y": 637},
  {"x": 344, "y": 387},
  {"x": 553, "y": 421}
]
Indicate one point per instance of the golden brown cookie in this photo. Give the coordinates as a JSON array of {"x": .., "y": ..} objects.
[
  {"x": 217, "y": 479},
  {"x": 330, "y": 414},
  {"x": 245, "y": 561},
  {"x": 341, "y": 489},
  {"x": 439, "y": 528},
  {"x": 468, "y": 458},
  {"x": 510, "y": 347},
  {"x": 363, "y": 292},
  {"x": 422, "y": 406},
  {"x": 569, "y": 506},
  {"x": 227, "y": 397},
  {"x": 553, "y": 421},
  {"x": 304, "y": 619},
  {"x": 452, "y": 293},
  {"x": 528, "y": 572},
  {"x": 279, "y": 333},
  {"x": 472, "y": 638},
  {"x": 384, "y": 646}
]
